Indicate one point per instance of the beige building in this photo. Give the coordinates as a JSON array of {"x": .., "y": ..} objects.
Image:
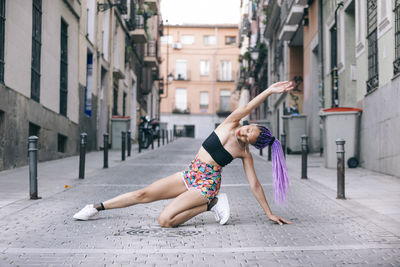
[
  {"x": 199, "y": 65},
  {"x": 68, "y": 67}
]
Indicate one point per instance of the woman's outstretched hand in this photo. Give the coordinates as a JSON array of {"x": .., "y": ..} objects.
[
  {"x": 281, "y": 87},
  {"x": 278, "y": 219}
]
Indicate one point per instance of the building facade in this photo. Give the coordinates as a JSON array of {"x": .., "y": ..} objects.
[
  {"x": 342, "y": 54},
  {"x": 199, "y": 65},
  {"x": 68, "y": 67}
]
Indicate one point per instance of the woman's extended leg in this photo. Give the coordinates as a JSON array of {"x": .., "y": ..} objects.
[
  {"x": 182, "y": 208},
  {"x": 165, "y": 188}
]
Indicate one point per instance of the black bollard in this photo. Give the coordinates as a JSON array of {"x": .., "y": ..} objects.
[
  {"x": 304, "y": 139},
  {"x": 158, "y": 138},
  {"x": 166, "y": 131},
  {"x": 32, "y": 153},
  {"x": 269, "y": 153},
  {"x": 82, "y": 156},
  {"x": 340, "y": 168},
  {"x": 283, "y": 143},
  {"x": 152, "y": 140},
  {"x": 129, "y": 143},
  {"x": 123, "y": 142},
  {"x": 261, "y": 152},
  {"x": 171, "y": 137},
  {"x": 105, "y": 148},
  {"x": 163, "y": 135}
]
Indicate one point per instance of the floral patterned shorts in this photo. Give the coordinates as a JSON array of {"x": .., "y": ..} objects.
[{"x": 203, "y": 177}]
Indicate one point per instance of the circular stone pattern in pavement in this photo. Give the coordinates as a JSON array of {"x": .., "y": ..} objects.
[{"x": 159, "y": 232}]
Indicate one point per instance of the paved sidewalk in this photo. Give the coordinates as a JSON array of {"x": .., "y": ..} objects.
[
  {"x": 370, "y": 193},
  {"x": 325, "y": 231}
]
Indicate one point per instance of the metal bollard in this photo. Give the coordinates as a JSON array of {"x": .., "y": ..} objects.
[
  {"x": 163, "y": 135},
  {"x": 261, "y": 152},
  {"x": 158, "y": 138},
  {"x": 340, "y": 168},
  {"x": 283, "y": 143},
  {"x": 166, "y": 131},
  {"x": 32, "y": 153},
  {"x": 304, "y": 140},
  {"x": 105, "y": 148},
  {"x": 172, "y": 137},
  {"x": 82, "y": 156},
  {"x": 129, "y": 143},
  {"x": 152, "y": 140},
  {"x": 123, "y": 142},
  {"x": 269, "y": 153}
]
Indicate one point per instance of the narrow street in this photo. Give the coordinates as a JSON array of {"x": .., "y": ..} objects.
[{"x": 323, "y": 233}]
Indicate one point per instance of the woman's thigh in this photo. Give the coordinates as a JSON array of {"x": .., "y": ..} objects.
[
  {"x": 166, "y": 188},
  {"x": 185, "y": 201}
]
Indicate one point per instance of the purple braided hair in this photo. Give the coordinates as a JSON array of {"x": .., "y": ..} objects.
[{"x": 279, "y": 169}]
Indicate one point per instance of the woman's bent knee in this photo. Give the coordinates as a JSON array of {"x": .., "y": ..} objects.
[{"x": 165, "y": 221}]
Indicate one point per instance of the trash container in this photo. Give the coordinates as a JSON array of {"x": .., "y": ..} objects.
[
  {"x": 294, "y": 126},
  {"x": 118, "y": 125},
  {"x": 340, "y": 123}
]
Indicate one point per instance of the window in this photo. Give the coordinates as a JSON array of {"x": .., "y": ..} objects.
[
  {"x": 124, "y": 105},
  {"x": 396, "y": 63},
  {"x": 180, "y": 99},
  {"x": 224, "y": 100},
  {"x": 230, "y": 40},
  {"x": 2, "y": 123},
  {"x": 90, "y": 5},
  {"x": 204, "y": 68},
  {"x": 167, "y": 39},
  {"x": 225, "y": 71},
  {"x": 34, "y": 130},
  {"x": 36, "y": 49},
  {"x": 203, "y": 100},
  {"x": 89, "y": 84},
  {"x": 334, "y": 69},
  {"x": 373, "y": 77},
  {"x": 62, "y": 143},
  {"x": 64, "y": 68},
  {"x": 180, "y": 66},
  {"x": 2, "y": 36},
  {"x": 209, "y": 40},
  {"x": 115, "y": 102},
  {"x": 187, "y": 39}
]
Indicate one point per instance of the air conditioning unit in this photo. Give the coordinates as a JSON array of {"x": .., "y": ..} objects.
[{"x": 176, "y": 45}]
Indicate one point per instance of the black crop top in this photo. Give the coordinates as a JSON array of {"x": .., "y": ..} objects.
[{"x": 214, "y": 147}]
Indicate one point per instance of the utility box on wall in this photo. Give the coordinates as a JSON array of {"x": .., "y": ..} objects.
[
  {"x": 340, "y": 123},
  {"x": 118, "y": 125},
  {"x": 294, "y": 126}
]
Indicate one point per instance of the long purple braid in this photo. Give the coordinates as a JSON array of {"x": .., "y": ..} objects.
[{"x": 279, "y": 169}]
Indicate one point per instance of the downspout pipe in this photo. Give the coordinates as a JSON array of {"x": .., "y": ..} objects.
[{"x": 321, "y": 72}]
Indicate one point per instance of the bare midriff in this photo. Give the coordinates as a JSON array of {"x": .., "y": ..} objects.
[{"x": 205, "y": 157}]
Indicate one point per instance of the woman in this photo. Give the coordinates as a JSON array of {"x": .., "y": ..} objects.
[{"x": 195, "y": 189}]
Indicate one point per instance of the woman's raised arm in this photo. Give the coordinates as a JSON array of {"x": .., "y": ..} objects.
[{"x": 276, "y": 88}]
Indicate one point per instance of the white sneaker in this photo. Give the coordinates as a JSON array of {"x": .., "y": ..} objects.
[
  {"x": 87, "y": 213},
  {"x": 221, "y": 209}
]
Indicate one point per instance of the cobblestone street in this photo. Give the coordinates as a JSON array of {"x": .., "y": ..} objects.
[{"x": 323, "y": 233}]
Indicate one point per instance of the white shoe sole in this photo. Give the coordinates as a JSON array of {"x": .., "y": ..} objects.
[
  {"x": 223, "y": 197},
  {"x": 94, "y": 217}
]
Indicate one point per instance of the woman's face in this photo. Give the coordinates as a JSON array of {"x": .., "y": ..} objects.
[{"x": 248, "y": 133}]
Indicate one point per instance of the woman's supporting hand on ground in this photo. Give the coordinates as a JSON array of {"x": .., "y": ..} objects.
[
  {"x": 278, "y": 219},
  {"x": 281, "y": 87}
]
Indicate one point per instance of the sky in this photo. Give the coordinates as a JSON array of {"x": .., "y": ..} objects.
[{"x": 200, "y": 11}]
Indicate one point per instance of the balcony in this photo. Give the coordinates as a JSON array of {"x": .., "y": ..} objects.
[
  {"x": 154, "y": 5},
  {"x": 295, "y": 13},
  {"x": 225, "y": 76},
  {"x": 151, "y": 54},
  {"x": 139, "y": 34},
  {"x": 287, "y": 32},
  {"x": 181, "y": 108},
  {"x": 181, "y": 75}
]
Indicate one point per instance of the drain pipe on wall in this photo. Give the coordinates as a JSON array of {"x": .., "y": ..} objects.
[{"x": 321, "y": 73}]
